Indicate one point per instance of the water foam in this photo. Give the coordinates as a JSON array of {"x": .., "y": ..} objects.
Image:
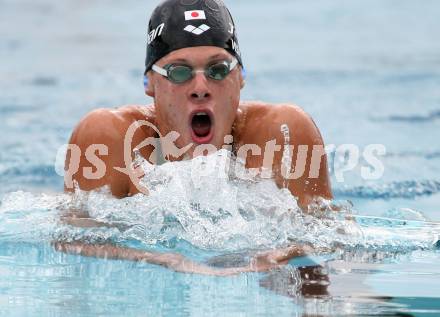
[{"x": 211, "y": 203}]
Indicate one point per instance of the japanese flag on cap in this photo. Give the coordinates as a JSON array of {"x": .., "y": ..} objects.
[{"x": 195, "y": 15}]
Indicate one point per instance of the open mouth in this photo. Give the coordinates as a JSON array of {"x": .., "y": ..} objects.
[{"x": 201, "y": 126}]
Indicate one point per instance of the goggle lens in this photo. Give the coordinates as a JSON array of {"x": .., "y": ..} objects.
[
  {"x": 181, "y": 73},
  {"x": 218, "y": 71}
]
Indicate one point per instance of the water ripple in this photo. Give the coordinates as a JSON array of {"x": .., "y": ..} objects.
[
  {"x": 414, "y": 118},
  {"x": 44, "y": 81},
  {"x": 404, "y": 189},
  {"x": 11, "y": 108},
  {"x": 34, "y": 170},
  {"x": 407, "y": 154}
]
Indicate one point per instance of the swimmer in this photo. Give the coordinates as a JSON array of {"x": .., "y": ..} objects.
[{"x": 194, "y": 72}]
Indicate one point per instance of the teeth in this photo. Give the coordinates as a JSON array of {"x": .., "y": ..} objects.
[{"x": 201, "y": 113}]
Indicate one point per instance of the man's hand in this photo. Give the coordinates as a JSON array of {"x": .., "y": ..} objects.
[{"x": 268, "y": 260}]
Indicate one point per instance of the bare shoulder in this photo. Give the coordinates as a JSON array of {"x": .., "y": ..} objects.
[
  {"x": 101, "y": 148},
  {"x": 271, "y": 116},
  {"x": 110, "y": 124},
  {"x": 261, "y": 123}
]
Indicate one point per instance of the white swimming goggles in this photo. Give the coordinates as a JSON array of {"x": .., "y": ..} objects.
[{"x": 178, "y": 73}]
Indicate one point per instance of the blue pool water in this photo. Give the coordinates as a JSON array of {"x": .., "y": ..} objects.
[{"x": 368, "y": 73}]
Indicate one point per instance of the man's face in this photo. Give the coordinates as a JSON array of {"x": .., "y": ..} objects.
[{"x": 202, "y": 110}]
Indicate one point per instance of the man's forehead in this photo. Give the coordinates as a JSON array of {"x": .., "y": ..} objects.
[{"x": 199, "y": 54}]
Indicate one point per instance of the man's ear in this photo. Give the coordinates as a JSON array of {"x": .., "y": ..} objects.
[{"x": 148, "y": 85}]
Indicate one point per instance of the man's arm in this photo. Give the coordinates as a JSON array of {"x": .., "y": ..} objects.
[
  {"x": 263, "y": 261},
  {"x": 97, "y": 134},
  {"x": 309, "y": 169},
  {"x": 97, "y": 149},
  {"x": 307, "y": 175}
]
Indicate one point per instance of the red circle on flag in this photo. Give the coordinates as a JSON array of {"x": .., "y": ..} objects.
[{"x": 195, "y": 14}]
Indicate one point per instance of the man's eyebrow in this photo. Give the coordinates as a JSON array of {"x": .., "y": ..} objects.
[
  {"x": 217, "y": 56},
  {"x": 179, "y": 60}
]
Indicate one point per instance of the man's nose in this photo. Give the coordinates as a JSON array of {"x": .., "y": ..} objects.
[{"x": 199, "y": 91}]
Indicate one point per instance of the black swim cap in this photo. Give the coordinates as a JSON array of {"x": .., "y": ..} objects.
[{"x": 177, "y": 24}]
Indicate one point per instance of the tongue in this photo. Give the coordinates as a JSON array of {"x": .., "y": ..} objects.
[{"x": 201, "y": 125}]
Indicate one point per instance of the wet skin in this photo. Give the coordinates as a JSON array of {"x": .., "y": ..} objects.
[{"x": 174, "y": 105}]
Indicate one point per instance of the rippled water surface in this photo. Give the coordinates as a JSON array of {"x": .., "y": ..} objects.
[{"x": 367, "y": 73}]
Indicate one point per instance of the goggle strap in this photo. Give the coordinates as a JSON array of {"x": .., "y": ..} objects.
[
  {"x": 233, "y": 64},
  {"x": 160, "y": 70}
]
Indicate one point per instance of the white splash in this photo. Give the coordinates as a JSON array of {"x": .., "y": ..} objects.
[{"x": 203, "y": 202}]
